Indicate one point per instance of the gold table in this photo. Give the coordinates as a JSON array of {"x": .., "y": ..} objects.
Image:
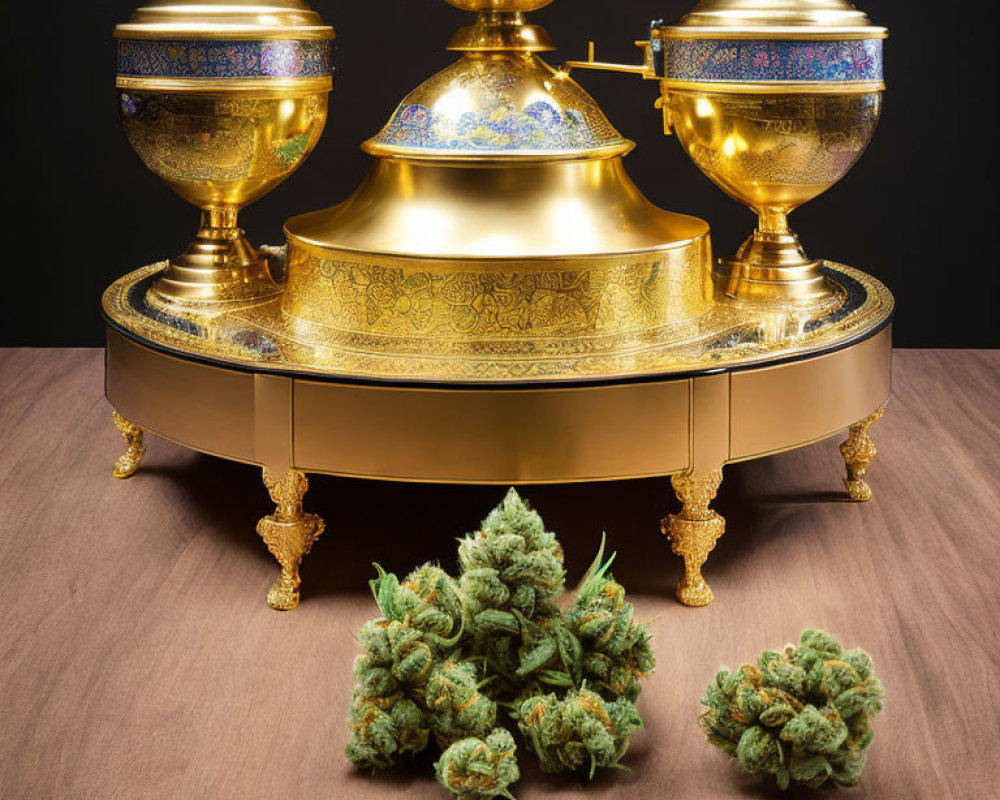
[{"x": 246, "y": 385}]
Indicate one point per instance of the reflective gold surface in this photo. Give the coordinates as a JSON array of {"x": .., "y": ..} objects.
[
  {"x": 773, "y": 152},
  {"x": 581, "y": 431},
  {"x": 496, "y": 212},
  {"x": 805, "y": 18},
  {"x": 772, "y": 406},
  {"x": 500, "y": 31},
  {"x": 497, "y": 222},
  {"x": 221, "y": 153},
  {"x": 499, "y": 90},
  {"x": 730, "y": 335},
  {"x": 222, "y": 100},
  {"x": 499, "y": 5},
  {"x": 225, "y": 19},
  {"x": 478, "y": 308}
]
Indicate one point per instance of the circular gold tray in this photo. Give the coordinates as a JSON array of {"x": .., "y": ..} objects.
[
  {"x": 239, "y": 384},
  {"x": 733, "y": 336}
]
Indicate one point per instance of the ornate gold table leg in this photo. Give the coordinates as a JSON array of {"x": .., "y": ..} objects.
[
  {"x": 694, "y": 532},
  {"x": 858, "y": 452},
  {"x": 289, "y": 534},
  {"x": 127, "y": 465}
]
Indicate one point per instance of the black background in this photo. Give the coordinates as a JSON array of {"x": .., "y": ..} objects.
[{"x": 80, "y": 208}]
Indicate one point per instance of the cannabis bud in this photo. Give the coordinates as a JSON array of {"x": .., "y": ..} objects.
[
  {"x": 458, "y": 709},
  {"x": 618, "y": 650},
  {"x": 580, "y": 732},
  {"x": 477, "y": 769},
  {"x": 802, "y": 715},
  {"x": 450, "y": 660}
]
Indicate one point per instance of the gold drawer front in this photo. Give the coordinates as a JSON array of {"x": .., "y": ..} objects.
[
  {"x": 779, "y": 407},
  {"x": 201, "y": 407},
  {"x": 483, "y": 436}
]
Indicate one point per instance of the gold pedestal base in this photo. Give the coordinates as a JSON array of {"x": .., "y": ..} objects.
[
  {"x": 772, "y": 270},
  {"x": 218, "y": 266}
]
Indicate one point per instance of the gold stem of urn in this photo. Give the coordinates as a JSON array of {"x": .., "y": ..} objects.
[
  {"x": 219, "y": 265},
  {"x": 771, "y": 266}
]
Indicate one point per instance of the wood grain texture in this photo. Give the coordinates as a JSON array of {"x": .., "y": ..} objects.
[{"x": 138, "y": 659}]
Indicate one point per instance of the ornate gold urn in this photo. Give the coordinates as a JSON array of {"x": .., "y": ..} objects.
[
  {"x": 774, "y": 100},
  {"x": 223, "y": 101},
  {"x": 497, "y": 221}
]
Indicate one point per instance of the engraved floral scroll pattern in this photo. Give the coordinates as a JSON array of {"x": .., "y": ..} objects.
[
  {"x": 739, "y": 60},
  {"x": 469, "y": 304},
  {"x": 229, "y": 59}
]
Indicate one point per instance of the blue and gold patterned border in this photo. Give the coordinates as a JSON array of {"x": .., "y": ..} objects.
[
  {"x": 540, "y": 126},
  {"x": 770, "y": 61},
  {"x": 227, "y": 60}
]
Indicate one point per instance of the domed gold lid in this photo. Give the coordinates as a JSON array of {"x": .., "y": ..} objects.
[
  {"x": 231, "y": 19},
  {"x": 500, "y": 102},
  {"x": 800, "y": 19},
  {"x": 498, "y": 106}
]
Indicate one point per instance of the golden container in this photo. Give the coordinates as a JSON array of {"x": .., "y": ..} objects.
[
  {"x": 223, "y": 102},
  {"x": 497, "y": 221},
  {"x": 775, "y": 102}
]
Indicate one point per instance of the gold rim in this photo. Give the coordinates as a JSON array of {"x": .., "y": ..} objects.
[
  {"x": 787, "y": 32},
  {"x": 244, "y": 35},
  {"x": 283, "y": 86},
  {"x": 380, "y": 150},
  {"x": 776, "y": 87}
]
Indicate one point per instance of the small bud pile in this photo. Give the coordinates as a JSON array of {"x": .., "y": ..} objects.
[
  {"x": 803, "y": 715},
  {"x": 447, "y": 659}
]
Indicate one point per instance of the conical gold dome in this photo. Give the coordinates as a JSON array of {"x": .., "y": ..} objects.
[{"x": 497, "y": 219}]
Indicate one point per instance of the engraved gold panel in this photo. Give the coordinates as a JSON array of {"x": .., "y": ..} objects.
[
  {"x": 504, "y": 437},
  {"x": 221, "y": 151},
  {"x": 382, "y": 304},
  {"x": 783, "y": 406}
]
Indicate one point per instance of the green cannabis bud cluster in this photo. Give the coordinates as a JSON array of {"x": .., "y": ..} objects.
[
  {"x": 579, "y": 732},
  {"x": 802, "y": 715},
  {"x": 477, "y": 769},
  {"x": 447, "y": 659}
]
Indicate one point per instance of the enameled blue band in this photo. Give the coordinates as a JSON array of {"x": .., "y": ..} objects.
[
  {"x": 152, "y": 58},
  {"x": 773, "y": 60},
  {"x": 540, "y": 126}
]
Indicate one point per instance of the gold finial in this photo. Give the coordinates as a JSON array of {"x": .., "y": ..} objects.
[
  {"x": 502, "y": 6},
  {"x": 500, "y": 26}
]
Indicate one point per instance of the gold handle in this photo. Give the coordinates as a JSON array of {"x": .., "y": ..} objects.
[
  {"x": 645, "y": 69},
  {"x": 663, "y": 103}
]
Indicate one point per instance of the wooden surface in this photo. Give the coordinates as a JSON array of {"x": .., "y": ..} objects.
[{"x": 138, "y": 659}]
